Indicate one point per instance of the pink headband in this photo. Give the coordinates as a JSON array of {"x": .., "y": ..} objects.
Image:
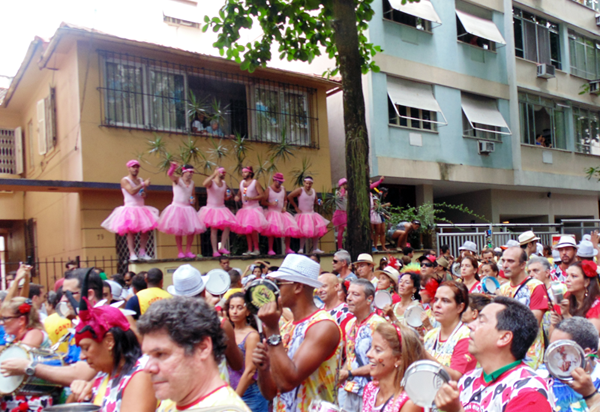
[
  {"x": 189, "y": 169},
  {"x": 245, "y": 169},
  {"x": 221, "y": 170},
  {"x": 132, "y": 163},
  {"x": 308, "y": 179}
]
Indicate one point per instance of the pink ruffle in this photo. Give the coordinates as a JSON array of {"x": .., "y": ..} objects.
[
  {"x": 340, "y": 217},
  {"x": 375, "y": 218},
  {"x": 250, "y": 219},
  {"x": 311, "y": 224},
  {"x": 280, "y": 225},
  {"x": 131, "y": 219},
  {"x": 218, "y": 217},
  {"x": 180, "y": 220}
]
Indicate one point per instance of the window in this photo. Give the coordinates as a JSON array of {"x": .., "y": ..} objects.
[
  {"x": 536, "y": 39},
  {"x": 413, "y": 105},
  {"x": 585, "y": 56},
  {"x": 412, "y": 117},
  {"x": 542, "y": 121},
  {"x": 158, "y": 95},
  {"x": 477, "y": 31},
  {"x": 481, "y": 118},
  {"x": 592, "y": 4},
  {"x": 7, "y": 151},
  {"x": 404, "y": 14},
  {"x": 587, "y": 134},
  {"x": 182, "y": 13}
]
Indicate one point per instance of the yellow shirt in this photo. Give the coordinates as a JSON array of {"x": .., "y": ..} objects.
[
  {"x": 148, "y": 296},
  {"x": 223, "y": 396},
  {"x": 57, "y": 327}
]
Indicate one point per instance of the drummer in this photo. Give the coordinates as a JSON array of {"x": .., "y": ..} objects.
[{"x": 499, "y": 341}]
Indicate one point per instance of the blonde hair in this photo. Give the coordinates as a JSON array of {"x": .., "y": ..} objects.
[
  {"x": 410, "y": 349},
  {"x": 33, "y": 318}
]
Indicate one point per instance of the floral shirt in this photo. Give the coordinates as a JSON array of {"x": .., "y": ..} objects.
[
  {"x": 557, "y": 275},
  {"x": 320, "y": 384},
  {"x": 565, "y": 398},
  {"x": 358, "y": 343},
  {"x": 454, "y": 351},
  {"x": 222, "y": 396},
  {"x": 370, "y": 396},
  {"x": 517, "y": 389},
  {"x": 342, "y": 315},
  {"x": 108, "y": 393},
  {"x": 532, "y": 295}
]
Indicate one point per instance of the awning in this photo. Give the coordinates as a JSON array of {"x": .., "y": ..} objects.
[
  {"x": 483, "y": 111},
  {"x": 182, "y": 11},
  {"x": 423, "y": 9},
  {"x": 410, "y": 94},
  {"x": 479, "y": 27}
]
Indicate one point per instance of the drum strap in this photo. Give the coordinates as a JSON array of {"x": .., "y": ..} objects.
[{"x": 521, "y": 287}]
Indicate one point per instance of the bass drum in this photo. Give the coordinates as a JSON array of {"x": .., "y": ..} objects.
[{"x": 28, "y": 385}]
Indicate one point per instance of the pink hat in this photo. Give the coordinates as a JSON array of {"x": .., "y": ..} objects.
[
  {"x": 221, "y": 170},
  {"x": 342, "y": 181},
  {"x": 132, "y": 163},
  {"x": 278, "y": 177}
]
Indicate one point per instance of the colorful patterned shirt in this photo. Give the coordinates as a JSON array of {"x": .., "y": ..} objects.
[
  {"x": 565, "y": 398},
  {"x": 557, "y": 275},
  {"x": 517, "y": 389},
  {"x": 532, "y": 295},
  {"x": 108, "y": 393},
  {"x": 320, "y": 384},
  {"x": 370, "y": 396},
  {"x": 358, "y": 343},
  {"x": 222, "y": 396},
  {"x": 342, "y": 315},
  {"x": 454, "y": 351},
  {"x": 548, "y": 315}
]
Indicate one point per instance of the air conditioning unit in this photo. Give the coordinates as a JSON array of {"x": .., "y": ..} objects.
[
  {"x": 546, "y": 71},
  {"x": 486, "y": 147},
  {"x": 595, "y": 87}
]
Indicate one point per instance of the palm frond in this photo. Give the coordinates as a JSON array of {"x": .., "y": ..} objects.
[
  {"x": 218, "y": 150},
  {"x": 282, "y": 150},
  {"x": 298, "y": 175},
  {"x": 157, "y": 146},
  {"x": 197, "y": 106}
]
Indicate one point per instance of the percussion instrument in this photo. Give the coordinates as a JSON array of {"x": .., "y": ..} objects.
[
  {"x": 318, "y": 405},
  {"x": 382, "y": 298},
  {"x": 28, "y": 385},
  {"x": 490, "y": 285},
  {"x": 422, "y": 381},
  {"x": 412, "y": 316},
  {"x": 563, "y": 357},
  {"x": 73, "y": 407},
  {"x": 218, "y": 282},
  {"x": 456, "y": 269},
  {"x": 318, "y": 302},
  {"x": 557, "y": 293},
  {"x": 260, "y": 292}
]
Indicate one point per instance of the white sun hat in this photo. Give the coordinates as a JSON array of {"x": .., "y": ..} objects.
[
  {"x": 299, "y": 269},
  {"x": 187, "y": 281}
]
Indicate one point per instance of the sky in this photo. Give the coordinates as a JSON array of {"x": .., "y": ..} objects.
[{"x": 133, "y": 19}]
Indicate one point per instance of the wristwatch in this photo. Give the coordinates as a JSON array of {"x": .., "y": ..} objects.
[
  {"x": 274, "y": 340},
  {"x": 30, "y": 369},
  {"x": 350, "y": 375}
]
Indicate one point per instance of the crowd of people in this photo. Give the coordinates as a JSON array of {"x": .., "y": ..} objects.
[{"x": 319, "y": 339}]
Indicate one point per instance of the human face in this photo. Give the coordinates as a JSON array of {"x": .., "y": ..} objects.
[
  {"x": 175, "y": 374},
  {"x": 257, "y": 271},
  {"x": 98, "y": 355},
  {"x": 307, "y": 185},
  {"x": 382, "y": 360},
  {"x": 13, "y": 323},
  {"x": 357, "y": 300},
  {"x": 276, "y": 184},
  {"x": 426, "y": 268},
  {"x": 512, "y": 267},
  {"x": 466, "y": 269},
  {"x": 225, "y": 265},
  {"x": 238, "y": 311},
  {"x": 106, "y": 294},
  {"x": 71, "y": 285},
  {"x": 134, "y": 170},
  {"x": 245, "y": 175},
  {"x": 329, "y": 290},
  {"x": 384, "y": 281},
  {"x": 337, "y": 264},
  {"x": 187, "y": 176},
  {"x": 567, "y": 255},
  {"x": 445, "y": 308},
  {"x": 537, "y": 271},
  {"x": 484, "y": 337},
  {"x": 406, "y": 287},
  {"x": 469, "y": 315},
  {"x": 127, "y": 279},
  {"x": 486, "y": 270},
  {"x": 576, "y": 280},
  {"x": 364, "y": 270}
]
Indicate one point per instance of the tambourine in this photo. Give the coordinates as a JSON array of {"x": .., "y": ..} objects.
[
  {"x": 260, "y": 292},
  {"x": 412, "y": 316},
  {"x": 557, "y": 294},
  {"x": 73, "y": 407},
  {"x": 218, "y": 282},
  {"x": 490, "y": 285},
  {"x": 422, "y": 381},
  {"x": 456, "y": 269},
  {"x": 563, "y": 357},
  {"x": 382, "y": 298}
]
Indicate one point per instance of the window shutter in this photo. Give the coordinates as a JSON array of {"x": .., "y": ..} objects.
[
  {"x": 41, "y": 120},
  {"x": 50, "y": 118},
  {"x": 18, "y": 151}
]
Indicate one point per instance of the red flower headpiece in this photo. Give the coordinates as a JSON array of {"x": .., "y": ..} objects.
[
  {"x": 393, "y": 262},
  {"x": 590, "y": 269},
  {"x": 25, "y": 307},
  {"x": 431, "y": 287}
]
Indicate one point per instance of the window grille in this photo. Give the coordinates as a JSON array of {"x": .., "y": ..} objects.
[
  {"x": 7, "y": 151},
  {"x": 123, "y": 250}
]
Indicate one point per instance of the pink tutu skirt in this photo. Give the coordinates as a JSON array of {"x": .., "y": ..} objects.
[
  {"x": 375, "y": 218},
  {"x": 218, "y": 217},
  {"x": 311, "y": 224},
  {"x": 340, "y": 218},
  {"x": 131, "y": 219},
  {"x": 280, "y": 225},
  {"x": 250, "y": 219},
  {"x": 180, "y": 220}
]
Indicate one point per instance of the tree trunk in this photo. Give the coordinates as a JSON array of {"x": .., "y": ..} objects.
[{"x": 358, "y": 239}]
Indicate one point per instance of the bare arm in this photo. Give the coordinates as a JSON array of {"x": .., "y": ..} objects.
[
  {"x": 138, "y": 395},
  {"x": 33, "y": 338},
  {"x": 261, "y": 359},
  {"x": 539, "y": 314},
  {"x": 265, "y": 198},
  {"x": 248, "y": 375},
  {"x": 208, "y": 181},
  {"x": 22, "y": 273},
  {"x": 63, "y": 375},
  {"x": 133, "y": 190},
  {"x": 233, "y": 354},
  {"x": 292, "y": 198}
]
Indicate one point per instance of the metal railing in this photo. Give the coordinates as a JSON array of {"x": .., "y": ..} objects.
[{"x": 579, "y": 227}]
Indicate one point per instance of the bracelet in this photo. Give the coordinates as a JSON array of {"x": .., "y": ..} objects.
[
  {"x": 587, "y": 398},
  {"x": 351, "y": 376}
]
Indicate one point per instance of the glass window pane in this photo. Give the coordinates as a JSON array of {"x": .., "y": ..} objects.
[
  {"x": 414, "y": 113},
  {"x": 518, "y": 37},
  {"x": 167, "y": 93},
  {"x": 560, "y": 139},
  {"x": 555, "y": 50},
  {"x": 530, "y": 41},
  {"x": 543, "y": 43},
  {"x": 580, "y": 56},
  {"x": 124, "y": 94},
  {"x": 403, "y": 120}
]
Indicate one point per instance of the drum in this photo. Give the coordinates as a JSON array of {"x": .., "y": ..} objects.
[
  {"x": 382, "y": 298},
  {"x": 422, "y": 381},
  {"x": 218, "y": 282},
  {"x": 490, "y": 285},
  {"x": 321, "y": 406},
  {"x": 28, "y": 385},
  {"x": 73, "y": 407},
  {"x": 260, "y": 292},
  {"x": 412, "y": 316},
  {"x": 563, "y": 357}
]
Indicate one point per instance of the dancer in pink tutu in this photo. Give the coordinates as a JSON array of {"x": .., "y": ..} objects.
[
  {"x": 215, "y": 214},
  {"x": 134, "y": 217},
  {"x": 340, "y": 217},
  {"x": 311, "y": 224},
  {"x": 281, "y": 223},
  {"x": 180, "y": 218},
  {"x": 250, "y": 218}
]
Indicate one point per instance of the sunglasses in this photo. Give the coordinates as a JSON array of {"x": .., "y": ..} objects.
[
  {"x": 427, "y": 265},
  {"x": 5, "y": 318},
  {"x": 282, "y": 282},
  {"x": 335, "y": 261}
]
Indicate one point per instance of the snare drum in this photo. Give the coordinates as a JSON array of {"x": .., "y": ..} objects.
[
  {"x": 563, "y": 357},
  {"x": 260, "y": 292},
  {"x": 422, "y": 381},
  {"x": 382, "y": 298},
  {"x": 412, "y": 316},
  {"x": 28, "y": 385},
  {"x": 490, "y": 285}
]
